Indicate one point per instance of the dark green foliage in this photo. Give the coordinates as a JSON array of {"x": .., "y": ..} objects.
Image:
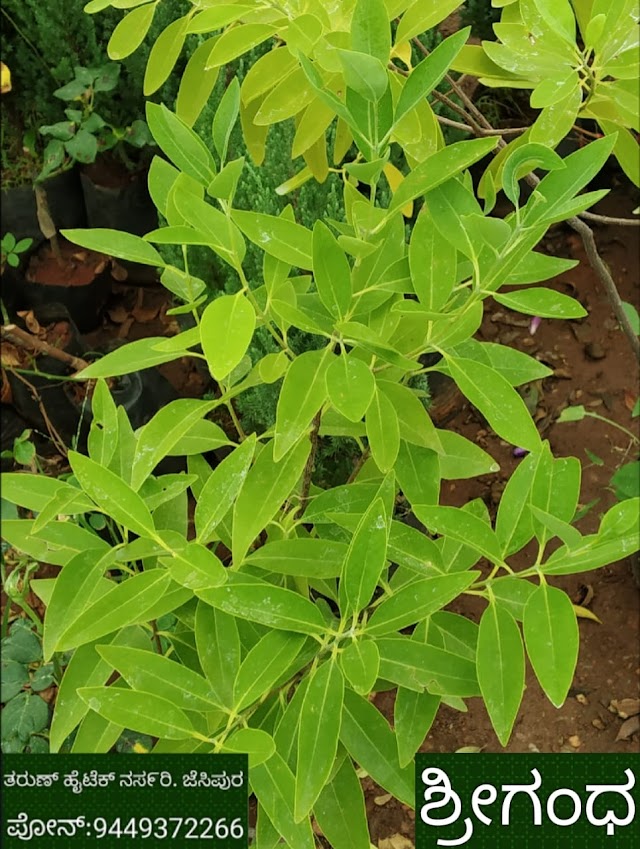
[{"x": 480, "y": 15}]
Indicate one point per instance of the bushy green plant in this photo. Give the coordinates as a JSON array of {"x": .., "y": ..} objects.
[
  {"x": 85, "y": 133},
  {"x": 294, "y": 593}
]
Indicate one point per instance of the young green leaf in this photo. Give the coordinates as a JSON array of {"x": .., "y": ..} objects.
[
  {"x": 130, "y": 32},
  {"x": 414, "y": 665},
  {"x": 413, "y": 716},
  {"x": 126, "y": 604},
  {"x": 277, "y": 236},
  {"x": 153, "y": 673},
  {"x": 218, "y": 647},
  {"x": 221, "y": 488},
  {"x": 265, "y": 488},
  {"x": 552, "y": 640},
  {"x": 275, "y": 786},
  {"x": 264, "y": 665},
  {"x": 418, "y": 473},
  {"x": 331, "y": 271},
  {"x": 371, "y": 743},
  {"x": 255, "y": 742},
  {"x": 196, "y": 83},
  {"x": 370, "y": 30},
  {"x": 417, "y": 601},
  {"x": 115, "y": 497},
  {"x": 340, "y": 810},
  {"x": 117, "y": 244},
  {"x": 383, "y": 431},
  {"x": 497, "y": 400},
  {"x": 542, "y": 302},
  {"x": 433, "y": 262},
  {"x": 303, "y": 392},
  {"x": 138, "y": 711},
  {"x": 360, "y": 662},
  {"x": 259, "y": 601},
  {"x": 227, "y": 327},
  {"x": 164, "y": 54},
  {"x": 462, "y": 458},
  {"x": 319, "y": 728},
  {"x": 181, "y": 144},
  {"x": 429, "y": 72},
  {"x": 302, "y": 557},
  {"x": 500, "y": 665},
  {"x": 225, "y": 118},
  {"x": 462, "y": 526},
  {"x": 365, "y": 560},
  {"x": 350, "y": 386}
]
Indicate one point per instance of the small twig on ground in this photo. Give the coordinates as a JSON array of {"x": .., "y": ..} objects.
[{"x": 25, "y": 340}]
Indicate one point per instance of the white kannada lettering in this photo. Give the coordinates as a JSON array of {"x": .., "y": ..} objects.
[
  {"x": 530, "y": 789},
  {"x": 610, "y": 819},
  {"x": 438, "y": 783}
]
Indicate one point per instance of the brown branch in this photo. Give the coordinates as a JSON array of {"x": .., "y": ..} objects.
[
  {"x": 25, "y": 340},
  {"x": 362, "y": 459},
  {"x": 53, "y": 433},
  {"x": 607, "y": 219}
]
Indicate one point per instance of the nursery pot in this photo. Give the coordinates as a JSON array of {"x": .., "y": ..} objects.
[
  {"x": 64, "y": 199},
  {"x": 11, "y": 426},
  {"x": 117, "y": 198},
  {"x": 79, "y": 279}
]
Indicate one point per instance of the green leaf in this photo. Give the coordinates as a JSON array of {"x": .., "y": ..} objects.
[
  {"x": 319, "y": 729},
  {"x": 514, "y": 527},
  {"x": 34, "y": 492},
  {"x": 412, "y": 719},
  {"x": 226, "y": 328},
  {"x": 429, "y": 72},
  {"x": 302, "y": 557},
  {"x": 163, "y": 432},
  {"x": 196, "y": 83},
  {"x": 500, "y": 665},
  {"x": 370, "y": 31},
  {"x": 497, "y": 400},
  {"x": 274, "y": 785},
  {"x": 57, "y": 543},
  {"x": 414, "y": 423},
  {"x": 149, "y": 672},
  {"x": 418, "y": 473},
  {"x": 462, "y": 458},
  {"x": 192, "y": 565},
  {"x": 115, "y": 497},
  {"x": 138, "y": 711},
  {"x": 164, "y": 54},
  {"x": 360, "y": 662},
  {"x": 413, "y": 549},
  {"x": 417, "y": 600},
  {"x": 130, "y": 32},
  {"x": 238, "y": 40},
  {"x": 103, "y": 435},
  {"x": 221, "y": 488},
  {"x": 258, "y": 744},
  {"x": 115, "y": 243},
  {"x": 259, "y": 601},
  {"x": 303, "y": 393},
  {"x": 559, "y": 16},
  {"x": 440, "y": 167},
  {"x": 383, "y": 432},
  {"x": 542, "y": 302},
  {"x": 331, "y": 270},
  {"x": 125, "y": 604},
  {"x": 225, "y": 118},
  {"x": 24, "y": 715},
  {"x": 265, "y": 488},
  {"x": 364, "y": 74},
  {"x": 371, "y": 743},
  {"x": 414, "y": 665},
  {"x": 515, "y": 365},
  {"x": 462, "y": 526},
  {"x": 559, "y": 187},
  {"x": 365, "y": 560},
  {"x": 340, "y": 810},
  {"x": 218, "y": 648},
  {"x": 422, "y": 16},
  {"x": 181, "y": 144},
  {"x": 72, "y": 594},
  {"x": 524, "y": 159},
  {"x": 350, "y": 386},
  {"x": 277, "y": 236},
  {"x": 433, "y": 263},
  {"x": 552, "y": 640},
  {"x": 264, "y": 665}
]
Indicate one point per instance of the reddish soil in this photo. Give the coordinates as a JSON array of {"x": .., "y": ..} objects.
[
  {"x": 78, "y": 266},
  {"x": 109, "y": 172}
]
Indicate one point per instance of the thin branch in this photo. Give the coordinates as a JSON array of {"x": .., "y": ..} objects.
[
  {"x": 53, "y": 433},
  {"x": 604, "y": 275},
  {"x": 31, "y": 343},
  {"x": 607, "y": 219},
  {"x": 362, "y": 459}
]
